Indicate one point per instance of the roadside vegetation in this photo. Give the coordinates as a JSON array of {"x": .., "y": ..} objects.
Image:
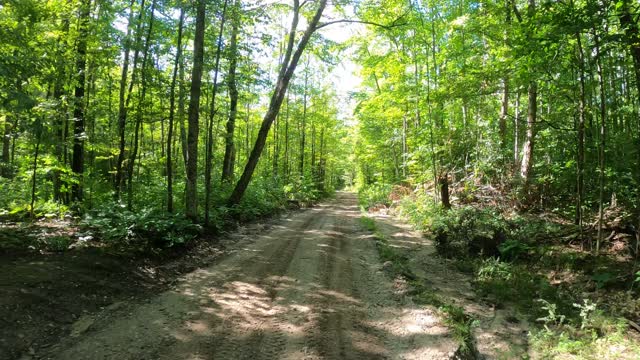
[
  {"x": 454, "y": 316},
  {"x": 507, "y": 131},
  {"x": 580, "y": 305}
]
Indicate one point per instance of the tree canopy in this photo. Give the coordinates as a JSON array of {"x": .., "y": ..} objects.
[{"x": 201, "y": 107}]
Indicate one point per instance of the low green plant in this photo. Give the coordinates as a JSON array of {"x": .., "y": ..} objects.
[
  {"x": 589, "y": 335},
  {"x": 492, "y": 269},
  {"x": 374, "y": 195},
  {"x": 587, "y": 309},
  {"x": 56, "y": 243},
  {"x": 602, "y": 279},
  {"x": 513, "y": 249},
  {"x": 552, "y": 317},
  {"x": 143, "y": 229}
]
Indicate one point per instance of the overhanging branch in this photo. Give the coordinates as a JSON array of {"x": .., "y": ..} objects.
[{"x": 349, "y": 21}]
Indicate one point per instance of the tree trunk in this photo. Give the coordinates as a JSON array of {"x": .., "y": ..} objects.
[
  {"x": 580, "y": 134},
  {"x": 123, "y": 96},
  {"x": 141, "y": 99},
  {"x": 516, "y": 131},
  {"x": 303, "y": 131},
  {"x": 5, "y": 170},
  {"x": 504, "y": 108},
  {"x": 191, "y": 198},
  {"x": 405, "y": 149},
  {"x": 632, "y": 35},
  {"x": 77, "y": 162},
  {"x": 210, "y": 122},
  {"x": 286, "y": 143},
  {"x": 313, "y": 147},
  {"x": 181, "y": 112},
  {"x": 172, "y": 108},
  {"x": 444, "y": 191},
  {"x": 35, "y": 165},
  {"x": 61, "y": 116},
  {"x": 601, "y": 148},
  {"x": 504, "y": 111},
  {"x": 527, "y": 150},
  {"x": 229, "y": 150},
  {"x": 211, "y": 137},
  {"x": 286, "y": 73}
]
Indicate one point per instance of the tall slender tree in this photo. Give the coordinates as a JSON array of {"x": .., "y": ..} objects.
[
  {"x": 77, "y": 163},
  {"x": 287, "y": 70},
  {"x": 172, "y": 106},
  {"x": 230, "y": 149},
  {"x": 191, "y": 195}
]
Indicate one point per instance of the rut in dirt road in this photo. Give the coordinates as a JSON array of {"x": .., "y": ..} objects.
[{"x": 309, "y": 288}]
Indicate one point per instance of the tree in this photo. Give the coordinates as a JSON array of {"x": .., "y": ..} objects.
[
  {"x": 172, "y": 102},
  {"x": 124, "y": 95},
  {"x": 287, "y": 69},
  {"x": 210, "y": 123},
  {"x": 191, "y": 196},
  {"x": 141, "y": 100},
  {"x": 77, "y": 163},
  {"x": 230, "y": 149}
]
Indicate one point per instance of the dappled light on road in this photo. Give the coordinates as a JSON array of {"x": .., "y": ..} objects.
[{"x": 310, "y": 287}]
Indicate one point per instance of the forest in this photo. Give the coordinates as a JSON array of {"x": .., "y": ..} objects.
[{"x": 142, "y": 135}]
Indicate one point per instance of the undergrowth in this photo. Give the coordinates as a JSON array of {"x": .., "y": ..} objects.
[
  {"x": 513, "y": 259},
  {"x": 374, "y": 195},
  {"x": 147, "y": 229}
]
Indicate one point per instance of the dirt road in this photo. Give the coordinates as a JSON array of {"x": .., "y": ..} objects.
[{"x": 310, "y": 287}]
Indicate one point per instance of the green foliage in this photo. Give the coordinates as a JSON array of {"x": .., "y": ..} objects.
[
  {"x": 492, "y": 269},
  {"x": 551, "y": 317},
  {"x": 602, "y": 279},
  {"x": 513, "y": 249},
  {"x": 464, "y": 231},
  {"x": 143, "y": 230},
  {"x": 33, "y": 237},
  {"x": 368, "y": 223},
  {"x": 505, "y": 282},
  {"x": 587, "y": 310},
  {"x": 374, "y": 195},
  {"x": 303, "y": 190},
  {"x": 56, "y": 243},
  {"x": 589, "y": 335}
]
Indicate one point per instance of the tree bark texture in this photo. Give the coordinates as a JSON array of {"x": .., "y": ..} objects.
[{"x": 191, "y": 198}]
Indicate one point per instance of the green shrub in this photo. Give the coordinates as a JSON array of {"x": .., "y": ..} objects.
[
  {"x": 374, "y": 195},
  {"x": 587, "y": 335},
  {"x": 513, "y": 249},
  {"x": 56, "y": 243},
  {"x": 143, "y": 229},
  {"x": 304, "y": 190},
  {"x": 261, "y": 199}
]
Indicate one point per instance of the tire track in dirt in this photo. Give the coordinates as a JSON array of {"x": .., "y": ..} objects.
[
  {"x": 266, "y": 340},
  {"x": 340, "y": 328},
  {"x": 308, "y": 288}
]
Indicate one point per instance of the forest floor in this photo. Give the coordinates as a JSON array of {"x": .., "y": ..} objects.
[
  {"x": 47, "y": 295},
  {"x": 309, "y": 285}
]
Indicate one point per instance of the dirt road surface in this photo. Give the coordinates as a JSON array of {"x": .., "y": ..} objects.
[{"x": 310, "y": 287}]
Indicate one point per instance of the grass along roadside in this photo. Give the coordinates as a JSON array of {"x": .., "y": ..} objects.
[
  {"x": 575, "y": 302},
  {"x": 460, "y": 323}
]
